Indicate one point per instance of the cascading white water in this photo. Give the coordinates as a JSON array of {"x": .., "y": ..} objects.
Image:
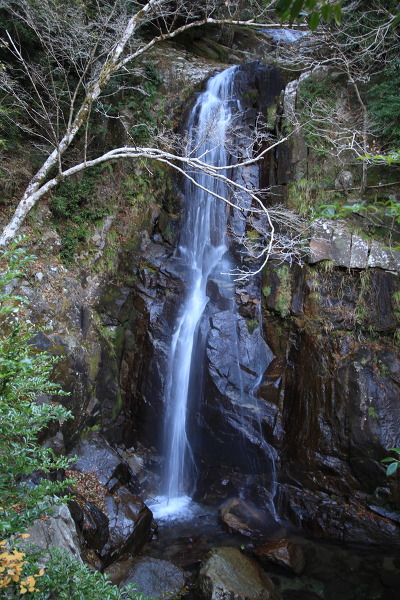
[{"x": 202, "y": 247}]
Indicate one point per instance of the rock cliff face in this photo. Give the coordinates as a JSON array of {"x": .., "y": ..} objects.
[
  {"x": 301, "y": 385},
  {"x": 322, "y": 342}
]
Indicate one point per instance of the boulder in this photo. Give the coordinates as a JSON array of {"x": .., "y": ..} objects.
[
  {"x": 97, "y": 456},
  {"x": 130, "y": 525},
  {"x": 92, "y": 522},
  {"x": 226, "y": 573},
  {"x": 58, "y": 531},
  {"x": 244, "y": 518},
  {"x": 344, "y": 181},
  {"x": 282, "y": 552},
  {"x": 156, "y": 578}
]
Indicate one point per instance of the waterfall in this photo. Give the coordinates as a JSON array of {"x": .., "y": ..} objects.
[{"x": 202, "y": 248}]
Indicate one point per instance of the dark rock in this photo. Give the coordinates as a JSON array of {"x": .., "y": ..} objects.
[
  {"x": 92, "y": 522},
  {"x": 113, "y": 304},
  {"x": 97, "y": 456},
  {"x": 242, "y": 517},
  {"x": 282, "y": 552},
  {"x": 275, "y": 370},
  {"x": 41, "y": 341},
  {"x": 130, "y": 525},
  {"x": 227, "y": 573},
  {"x": 300, "y": 595},
  {"x": 156, "y": 578},
  {"x": 336, "y": 519}
]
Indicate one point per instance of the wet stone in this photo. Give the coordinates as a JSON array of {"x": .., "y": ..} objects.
[
  {"x": 155, "y": 578},
  {"x": 282, "y": 552},
  {"x": 227, "y": 573},
  {"x": 243, "y": 517}
]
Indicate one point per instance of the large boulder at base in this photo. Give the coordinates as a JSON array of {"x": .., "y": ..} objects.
[
  {"x": 155, "y": 578},
  {"x": 130, "y": 525},
  {"x": 227, "y": 574},
  {"x": 91, "y": 521},
  {"x": 58, "y": 531},
  {"x": 282, "y": 552},
  {"x": 244, "y": 518}
]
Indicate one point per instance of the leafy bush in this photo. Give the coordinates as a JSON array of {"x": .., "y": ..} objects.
[
  {"x": 24, "y": 377},
  {"x": 141, "y": 99},
  {"x": 65, "y": 579},
  {"x": 75, "y": 206},
  {"x": 60, "y": 578},
  {"x": 392, "y": 463},
  {"x": 384, "y": 105}
]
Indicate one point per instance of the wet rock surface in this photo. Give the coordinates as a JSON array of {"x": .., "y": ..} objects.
[
  {"x": 130, "y": 525},
  {"x": 283, "y": 552},
  {"x": 239, "y": 516},
  {"x": 155, "y": 578},
  {"x": 225, "y": 572},
  {"x": 58, "y": 531}
]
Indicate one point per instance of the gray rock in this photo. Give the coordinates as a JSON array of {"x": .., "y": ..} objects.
[
  {"x": 344, "y": 181},
  {"x": 97, "y": 456},
  {"x": 156, "y": 578},
  {"x": 226, "y": 573},
  {"x": 359, "y": 252},
  {"x": 333, "y": 241},
  {"x": 130, "y": 525},
  {"x": 289, "y": 100},
  {"x": 58, "y": 531},
  {"x": 383, "y": 257},
  {"x": 341, "y": 246}
]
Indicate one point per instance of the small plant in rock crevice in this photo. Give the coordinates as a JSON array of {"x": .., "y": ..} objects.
[{"x": 392, "y": 463}]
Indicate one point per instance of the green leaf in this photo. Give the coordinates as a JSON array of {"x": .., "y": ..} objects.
[
  {"x": 310, "y": 4},
  {"x": 392, "y": 468},
  {"x": 395, "y": 450},
  {"x": 326, "y": 12},
  {"x": 396, "y": 21},
  {"x": 313, "y": 21},
  {"x": 295, "y": 10},
  {"x": 283, "y": 6},
  {"x": 337, "y": 13},
  {"x": 387, "y": 459}
]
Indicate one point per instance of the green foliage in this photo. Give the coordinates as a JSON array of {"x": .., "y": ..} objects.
[
  {"x": 317, "y": 102},
  {"x": 372, "y": 413},
  {"x": 392, "y": 463},
  {"x": 61, "y": 578},
  {"x": 75, "y": 206},
  {"x": 140, "y": 99},
  {"x": 307, "y": 195},
  {"x": 65, "y": 579},
  {"x": 25, "y": 410},
  {"x": 298, "y": 10},
  {"x": 381, "y": 217},
  {"x": 283, "y": 294},
  {"x": 252, "y": 325},
  {"x": 383, "y": 102},
  {"x": 387, "y": 159}
]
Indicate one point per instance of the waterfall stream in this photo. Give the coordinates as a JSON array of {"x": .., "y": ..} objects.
[{"x": 202, "y": 248}]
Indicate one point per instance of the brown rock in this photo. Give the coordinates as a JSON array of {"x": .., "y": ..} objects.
[
  {"x": 243, "y": 517},
  {"x": 227, "y": 573},
  {"x": 282, "y": 552}
]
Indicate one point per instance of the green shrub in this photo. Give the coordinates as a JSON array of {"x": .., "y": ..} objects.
[
  {"x": 75, "y": 206},
  {"x": 65, "y": 579},
  {"x": 25, "y": 375},
  {"x": 384, "y": 105}
]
